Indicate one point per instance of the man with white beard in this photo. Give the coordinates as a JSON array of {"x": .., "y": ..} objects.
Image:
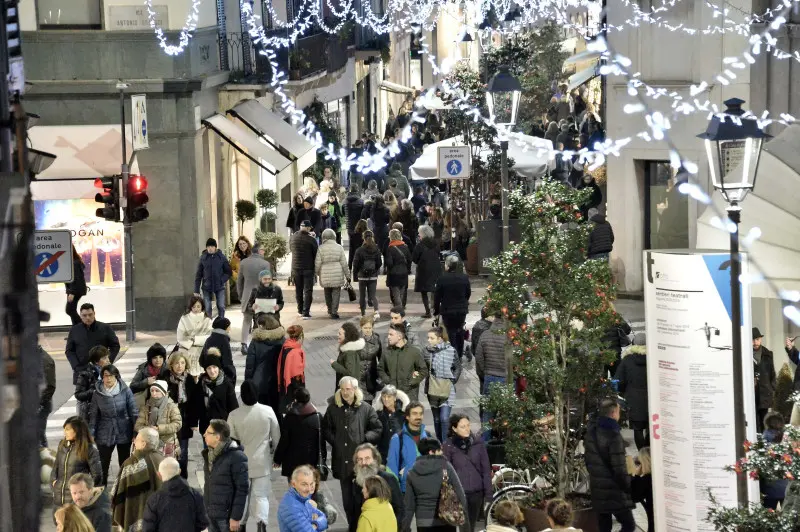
[{"x": 367, "y": 463}]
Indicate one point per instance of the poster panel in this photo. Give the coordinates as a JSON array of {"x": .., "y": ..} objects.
[{"x": 690, "y": 384}]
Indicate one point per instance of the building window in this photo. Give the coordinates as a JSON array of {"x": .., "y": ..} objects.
[
  {"x": 69, "y": 14},
  {"x": 666, "y": 209}
]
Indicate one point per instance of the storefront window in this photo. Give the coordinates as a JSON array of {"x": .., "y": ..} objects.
[
  {"x": 667, "y": 210},
  {"x": 69, "y": 14}
]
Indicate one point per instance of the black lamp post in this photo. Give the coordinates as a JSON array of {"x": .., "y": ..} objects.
[
  {"x": 733, "y": 146},
  {"x": 502, "y": 98}
]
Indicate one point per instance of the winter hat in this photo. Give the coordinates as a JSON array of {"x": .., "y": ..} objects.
[
  {"x": 249, "y": 393},
  {"x": 640, "y": 339},
  {"x": 156, "y": 350},
  {"x": 211, "y": 242},
  {"x": 265, "y": 273},
  {"x": 212, "y": 358},
  {"x": 221, "y": 323},
  {"x": 161, "y": 385},
  {"x": 309, "y": 200}
]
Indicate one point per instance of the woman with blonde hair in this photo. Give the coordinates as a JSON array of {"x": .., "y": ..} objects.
[
  {"x": 506, "y": 517},
  {"x": 642, "y": 484},
  {"x": 184, "y": 392},
  {"x": 69, "y": 518},
  {"x": 377, "y": 514}
]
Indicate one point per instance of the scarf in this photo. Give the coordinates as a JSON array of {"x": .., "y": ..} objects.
[
  {"x": 396, "y": 243},
  {"x": 153, "y": 371},
  {"x": 220, "y": 331},
  {"x": 214, "y": 453},
  {"x": 156, "y": 405},
  {"x": 209, "y": 386},
  {"x": 180, "y": 380},
  {"x": 109, "y": 392},
  {"x": 462, "y": 443}
]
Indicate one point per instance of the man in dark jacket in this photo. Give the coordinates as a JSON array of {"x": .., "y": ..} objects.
[
  {"x": 353, "y": 205},
  {"x": 93, "y": 502},
  {"x": 402, "y": 364},
  {"x": 632, "y": 381},
  {"x": 765, "y": 382},
  {"x": 227, "y": 479},
  {"x": 367, "y": 461},
  {"x": 213, "y": 270},
  {"x": 601, "y": 239},
  {"x": 348, "y": 423},
  {"x": 304, "y": 253},
  {"x": 85, "y": 335},
  {"x": 609, "y": 481},
  {"x": 490, "y": 361},
  {"x": 175, "y": 506},
  {"x": 418, "y": 199},
  {"x": 310, "y": 214},
  {"x": 794, "y": 356},
  {"x": 46, "y": 398},
  {"x": 220, "y": 338},
  {"x": 451, "y": 302}
]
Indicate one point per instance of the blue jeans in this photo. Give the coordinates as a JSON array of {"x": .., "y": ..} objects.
[
  {"x": 441, "y": 421},
  {"x": 488, "y": 381},
  {"x": 600, "y": 256},
  {"x": 220, "y": 297}
]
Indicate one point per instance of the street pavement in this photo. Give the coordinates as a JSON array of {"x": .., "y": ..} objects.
[{"x": 320, "y": 345}]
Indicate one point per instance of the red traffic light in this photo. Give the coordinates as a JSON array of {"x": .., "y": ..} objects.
[{"x": 137, "y": 183}]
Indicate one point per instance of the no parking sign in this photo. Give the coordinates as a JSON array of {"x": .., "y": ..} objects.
[{"x": 52, "y": 260}]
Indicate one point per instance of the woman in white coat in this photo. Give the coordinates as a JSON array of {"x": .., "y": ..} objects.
[
  {"x": 331, "y": 268},
  {"x": 255, "y": 426},
  {"x": 194, "y": 328}
]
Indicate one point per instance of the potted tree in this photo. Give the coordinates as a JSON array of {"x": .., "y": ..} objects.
[
  {"x": 245, "y": 211},
  {"x": 267, "y": 199},
  {"x": 558, "y": 309},
  {"x": 275, "y": 247}
]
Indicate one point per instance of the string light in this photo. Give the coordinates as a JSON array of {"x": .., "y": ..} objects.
[{"x": 186, "y": 33}]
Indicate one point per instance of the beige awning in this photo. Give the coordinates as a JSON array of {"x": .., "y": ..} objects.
[{"x": 394, "y": 87}]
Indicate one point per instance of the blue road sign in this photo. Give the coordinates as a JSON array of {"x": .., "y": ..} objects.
[
  {"x": 144, "y": 128},
  {"x": 454, "y": 167},
  {"x": 46, "y": 264}
]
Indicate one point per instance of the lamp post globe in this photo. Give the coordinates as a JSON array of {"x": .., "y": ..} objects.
[
  {"x": 502, "y": 97},
  {"x": 733, "y": 143}
]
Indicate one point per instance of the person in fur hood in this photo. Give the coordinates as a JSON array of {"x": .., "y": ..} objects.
[
  {"x": 390, "y": 404},
  {"x": 352, "y": 360},
  {"x": 632, "y": 377},
  {"x": 263, "y": 353},
  {"x": 348, "y": 422}
]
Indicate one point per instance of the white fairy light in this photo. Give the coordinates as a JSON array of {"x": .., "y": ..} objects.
[{"x": 792, "y": 312}]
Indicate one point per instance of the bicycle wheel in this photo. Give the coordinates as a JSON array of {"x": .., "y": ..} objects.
[{"x": 511, "y": 493}]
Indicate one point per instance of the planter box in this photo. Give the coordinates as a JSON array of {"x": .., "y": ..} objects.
[{"x": 536, "y": 520}]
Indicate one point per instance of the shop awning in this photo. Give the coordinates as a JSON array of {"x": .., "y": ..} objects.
[
  {"x": 581, "y": 77},
  {"x": 280, "y": 135},
  {"x": 248, "y": 144},
  {"x": 586, "y": 55},
  {"x": 394, "y": 87}
]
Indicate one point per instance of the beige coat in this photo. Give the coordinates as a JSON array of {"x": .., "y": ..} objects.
[
  {"x": 193, "y": 331},
  {"x": 169, "y": 421},
  {"x": 331, "y": 264}
]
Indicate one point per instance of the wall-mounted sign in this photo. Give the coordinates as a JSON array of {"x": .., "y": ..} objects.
[{"x": 135, "y": 17}]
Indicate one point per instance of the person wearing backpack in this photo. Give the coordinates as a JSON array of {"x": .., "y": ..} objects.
[
  {"x": 433, "y": 490},
  {"x": 366, "y": 265},
  {"x": 403, "y": 446},
  {"x": 440, "y": 386}
]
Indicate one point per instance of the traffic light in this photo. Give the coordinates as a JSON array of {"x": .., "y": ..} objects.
[
  {"x": 109, "y": 198},
  {"x": 137, "y": 198}
]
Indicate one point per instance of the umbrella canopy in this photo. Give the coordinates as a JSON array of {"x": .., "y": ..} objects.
[{"x": 528, "y": 162}]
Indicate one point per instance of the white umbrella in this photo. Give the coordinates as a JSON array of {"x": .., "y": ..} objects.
[{"x": 531, "y": 157}]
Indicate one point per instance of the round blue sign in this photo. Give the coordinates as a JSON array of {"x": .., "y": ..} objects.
[
  {"x": 454, "y": 167},
  {"x": 144, "y": 128},
  {"x": 48, "y": 270}
]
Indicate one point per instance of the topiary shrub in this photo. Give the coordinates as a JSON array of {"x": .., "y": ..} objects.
[
  {"x": 275, "y": 247},
  {"x": 245, "y": 210}
]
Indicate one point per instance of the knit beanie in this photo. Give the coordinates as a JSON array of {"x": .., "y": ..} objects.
[
  {"x": 161, "y": 385},
  {"x": 211, "y": 242}
]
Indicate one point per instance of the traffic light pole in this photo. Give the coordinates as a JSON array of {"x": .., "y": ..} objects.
[{"x": 130, "y": 304}]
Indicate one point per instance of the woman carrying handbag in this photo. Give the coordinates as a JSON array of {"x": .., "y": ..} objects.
[{"x": 441, "y": 383}]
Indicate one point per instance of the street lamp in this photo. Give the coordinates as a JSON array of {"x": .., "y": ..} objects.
[
  {"x": 733, "y": 146},
  {"x": 502, "y": 98}
]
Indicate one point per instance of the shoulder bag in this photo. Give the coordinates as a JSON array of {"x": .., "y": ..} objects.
[
  {"x": 450, "y": 509},
  {"x": 439, "y": 388},
  {"x": 322, "y": 467}
]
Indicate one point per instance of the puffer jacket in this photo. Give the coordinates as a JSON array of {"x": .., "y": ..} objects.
[
  {"x": 304, "y": 251},
  {"x": 346, "y": 427},
  {"x": 84, "y": 389},
  {"x": 213, "y": 271},
  {"x": 601, "y": 239},
  {"x": 452, "y": 294},
  {"x": 139, "y": 386},
  {"x": 261, "y": 366},
  {"x": 169, "y": 421},
  {"x": 362, "y": 255},
  {"x": 490, "y": 356},
  {"x": 422, "y": 491},
  {"x": 398, "y": 265},
  {"x": 353, "y": 205},
  {"x": 331, "y": 263},
  {"x": 398, "y": 364},
  {"x": 111, "y": 417},
  {"x": 67, "y": 464},
  {"x": 227, "y": 483},
  {"x": 632, "y": 377},
  {"x": 221, "y": 340},
  {"x": 429, "y": 267},
  {"x": 296, "y": 513},
  {"x": 353, "y": 362},
  {"x": 609, "y": 481}
]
